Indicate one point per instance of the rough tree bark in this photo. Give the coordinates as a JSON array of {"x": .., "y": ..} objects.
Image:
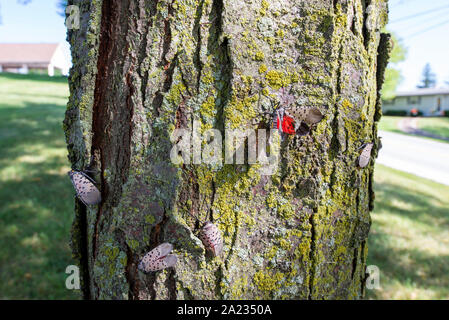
[{"x": 143, "y": 68}]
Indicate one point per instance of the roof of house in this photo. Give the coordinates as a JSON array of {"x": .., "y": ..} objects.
[
  {"x": 423, "y": 92},
  {"x": 27, "y": 52}
]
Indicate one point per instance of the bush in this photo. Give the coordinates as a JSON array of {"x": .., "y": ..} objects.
[
  {"x": 397, "y": 113},
  {"x": 415, "y": 113},
  {"x": 446, "y": 113}
]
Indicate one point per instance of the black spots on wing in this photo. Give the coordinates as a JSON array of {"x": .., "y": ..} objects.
[{"x": 85, "y": 189}]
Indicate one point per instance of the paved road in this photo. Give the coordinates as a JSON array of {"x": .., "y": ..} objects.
[{"x": 422, "y": 157}]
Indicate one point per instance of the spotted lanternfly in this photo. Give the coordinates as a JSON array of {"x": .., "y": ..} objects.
[
  {"x": 158, "y": 258},
  {"x": 210, "y": 235},
  {"x": 85, "y": 188},
  {"x": 309, "y": 115},
  {"x": 294, "y": 119},
  {"x": 365, "y": 156},
  {"x": 284, "y": 123}
]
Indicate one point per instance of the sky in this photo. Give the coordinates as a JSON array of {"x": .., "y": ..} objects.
[
  {"x": 39, "y": 22},
  {"x": 423, "y": 46}
]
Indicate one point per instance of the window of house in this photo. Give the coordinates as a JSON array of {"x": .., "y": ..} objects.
[
  {"x": 389, "y": 102},
  {"x": 414, "y": 100}
]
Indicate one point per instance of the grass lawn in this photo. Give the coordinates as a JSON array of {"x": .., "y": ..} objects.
[
  {"x": 36, "y": 197},
  {"x": 389, "y": 123},
  {"x": 409, "y": 238},
  {"x": 438, "y": 126}
]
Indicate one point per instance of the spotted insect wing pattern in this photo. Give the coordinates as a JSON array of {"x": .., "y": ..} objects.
[
  {"x": 211, "y": 237},
  {"x": 365, "y": 156},
  {"x": 159, "y": 258},
  {"x": 85, "y": 189},
  {"x": 309, "y": 115}
]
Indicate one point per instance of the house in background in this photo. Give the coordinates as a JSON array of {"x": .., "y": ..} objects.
[
  {"x": 429, "y": 101},
  {"x": 39, "y": 57}
]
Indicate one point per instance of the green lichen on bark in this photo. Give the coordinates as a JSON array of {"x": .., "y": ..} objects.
[{"x": 298, "y": 234}]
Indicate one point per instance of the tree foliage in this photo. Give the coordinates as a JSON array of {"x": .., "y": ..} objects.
[
  {"x": 429, "y": 78},
  {"x": 392, "y": 73}
]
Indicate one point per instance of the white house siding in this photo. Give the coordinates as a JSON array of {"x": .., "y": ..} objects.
[
  {"x": 59, "y": 61},
  {"x": 426, "y": 103}
]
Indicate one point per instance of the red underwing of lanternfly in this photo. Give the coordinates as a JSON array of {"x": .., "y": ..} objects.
[
  {"x": 85, "y": 188},
  {"x": 159, "y": 258},
  {"x": 365, "y": 156},
  {"x": 293, "y": 119}
]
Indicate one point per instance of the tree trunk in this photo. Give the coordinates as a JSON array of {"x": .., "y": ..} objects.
[{"x": 141, "y": 69}]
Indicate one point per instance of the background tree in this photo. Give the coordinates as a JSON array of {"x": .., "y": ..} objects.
[
  {"x": 143, "y": 68},
  {"x": 392, "y": 73},
  {"x": 429, "y": 78}
]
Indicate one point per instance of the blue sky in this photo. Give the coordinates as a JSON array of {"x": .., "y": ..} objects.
[
  {"x": 39, "y": 22},
  {"x": 431, "y": 46}
]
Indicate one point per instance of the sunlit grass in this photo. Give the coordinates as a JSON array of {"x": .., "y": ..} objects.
[
  {"x": 409, "y": 238},
  {"x": 36, "y": 198},
  {"x": 438, "y": 126},
  {"x": 389, "y": 123}
]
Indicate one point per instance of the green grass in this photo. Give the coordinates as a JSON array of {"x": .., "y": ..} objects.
[
  {"x": 437, "y": 126},
  {"x": 389, "y": 123},
  {"x": 36, "y": 198},
  {"x": 409, "y": 238}
]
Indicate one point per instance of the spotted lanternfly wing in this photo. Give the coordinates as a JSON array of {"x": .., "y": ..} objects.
[
  {"x": 85, "y": 188},
  {"x": 309, "y": 115},
  {"x": 159, "y": 258},
  {"x": 303, "y": 129},
  {"x": 365, "y": 156},
  {"x": 210, "y": 235}
]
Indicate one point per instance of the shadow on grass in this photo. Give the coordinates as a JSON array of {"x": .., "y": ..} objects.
[
  {"x": 413, "y": 268},
  {"x": 36, "y": 203},
  {"x": 30, "y": 126},
  {"x": 426, "y": 209}
]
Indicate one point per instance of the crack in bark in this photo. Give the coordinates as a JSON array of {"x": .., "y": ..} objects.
[
  {"x": 312, "y": 255},
  {"x": 365, "y": 31},
  {"x": 354, "y": 262},
  {"x": 105, "y": 51},
  {"x": 83, "y": 248},
  {"x": 197, "y": 30},
  {"x": 363, "y": 275},
  {"x": 130, "y": 268},
  {"x": 156, "y": 238}
]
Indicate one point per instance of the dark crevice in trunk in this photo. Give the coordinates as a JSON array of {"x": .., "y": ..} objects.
[
  {"x": 156, "y": 238},
  {"x": 383, "y": 56},
  {"x": 354, "y": 262},
  {"x": 169, "y": 66},
  {"x": 334, "y": 5},
  {"x": 112, "y": 114},
  {"x": 131, "y": 272},
  {"x": 83, "y": 249},
  {"x": 108, "y": 17},
  {"x": 312, "y": 255},
  {"x": 212, "y": 202},
  {"x": 365, "y": 31},
  {"x": 363, "y": 269},
  {"x": 159, "y": 96},
  {"x": 197, "y": 34},
  {"x": 170, "y": 283}
]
